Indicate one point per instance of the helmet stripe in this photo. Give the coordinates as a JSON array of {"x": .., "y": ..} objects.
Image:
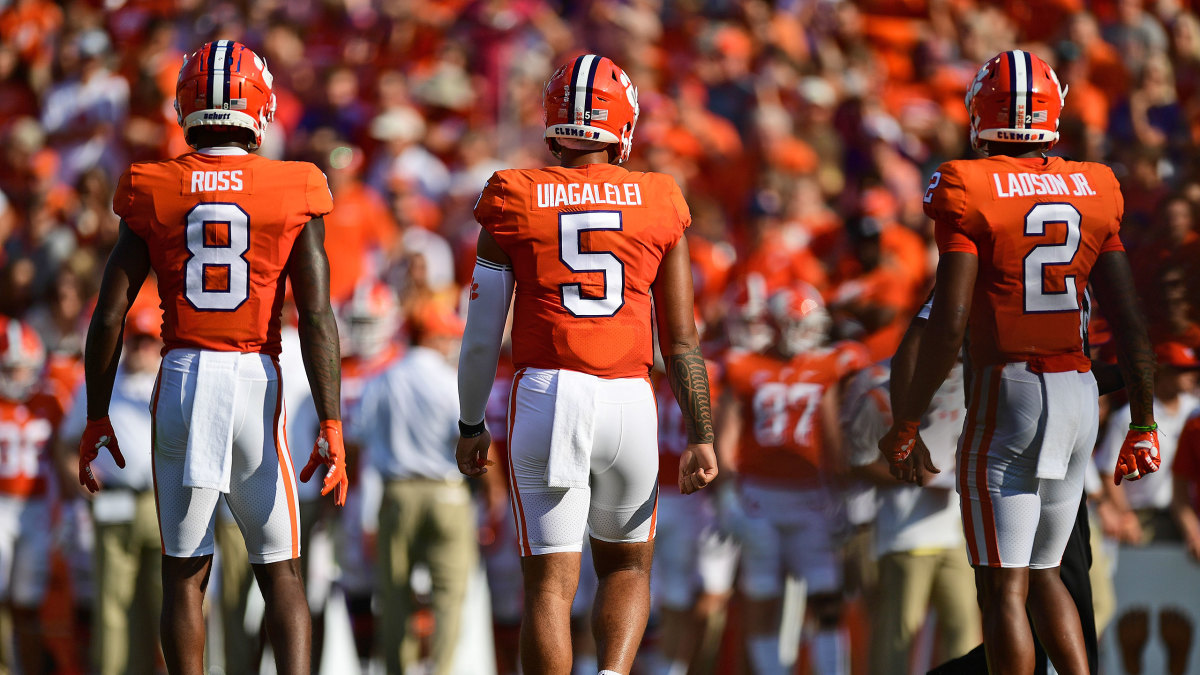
[
  {"x": 1028, "y": 88},
  {"x": 208, "y": 94},
  {"x": 1020, "y": 88},
  {"x": 220, "y": 83},
  {"x": 591, "y": 83},
  {"x": 572, "y": 89},
  {"x": 583, "y": 91},
  {"x": 1010, "y": 57}
]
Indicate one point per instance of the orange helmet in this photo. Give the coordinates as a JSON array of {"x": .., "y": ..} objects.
[
  {"x": 22, "y": 358},
  {"x": 591, "y": 99},
  {"x": 1015, "y": 98},
  {"x": 224, "y": 84}
]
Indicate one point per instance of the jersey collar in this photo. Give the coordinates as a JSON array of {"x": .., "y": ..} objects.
[{"x": 225, "y": 150}]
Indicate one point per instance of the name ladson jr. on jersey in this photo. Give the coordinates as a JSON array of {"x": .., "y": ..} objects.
[
  {"x": 554, "y": 195},
  {"x": 1039, "y": 184}
]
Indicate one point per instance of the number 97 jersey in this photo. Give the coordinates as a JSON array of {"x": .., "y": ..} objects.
[
  {"x": 585, "y": 244},
  {"x": 1037, "y": 226},
  {"x": 220, "y": 229}
]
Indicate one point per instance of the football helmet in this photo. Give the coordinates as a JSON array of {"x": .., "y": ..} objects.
[
  {"x": 747, "y": 315},
  {"x": 798, "y": 315},
  {"x": 591, "y": 99},
  {"x": 224, "y": 84},
  {"x": 22, "y": 359},
  {"x": 1015, "y": 98},
  {"x": 371, "y": 319}
]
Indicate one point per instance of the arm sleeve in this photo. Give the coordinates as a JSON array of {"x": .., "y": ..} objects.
[
  {"x": 491, "y": 293},
  {"x": 319, "y": 199},
  {"x": 945, "y": 203}
]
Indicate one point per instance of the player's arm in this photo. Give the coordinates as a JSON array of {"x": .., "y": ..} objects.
[
  {"x": 904, "y": 364},
  {"x": 1113, "y": 281},
  {"x": 308, "y": 271},
  {"x": 492, "y": 290},
  {"x": 940, "y": 342},
  {"x": 686, "y": 371},
  {"x": 126, "y": 270}
]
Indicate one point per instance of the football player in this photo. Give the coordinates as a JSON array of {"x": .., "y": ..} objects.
[
  {"x": 585, "y": 244},
  {"x": 223, "y": 228},
  {"x": 778, "y": 426},
  {"x": 1020, "y": 235},
  {"x": 29, "y": 419}
]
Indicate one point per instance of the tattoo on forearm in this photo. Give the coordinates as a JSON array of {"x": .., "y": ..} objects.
[{"x": 688, "y": 377}]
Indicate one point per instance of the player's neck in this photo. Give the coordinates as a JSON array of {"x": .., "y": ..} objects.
[
  {"x": 1017, "y": 150},
  {"x": 570, "y": 159}
]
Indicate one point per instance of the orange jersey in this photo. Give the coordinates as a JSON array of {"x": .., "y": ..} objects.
[
  {"x": 672, "y": 431},
  {"x": 220, "y": 229},
  {"x": 585, "y": 245},
  {"x": 781, "y": 420},
  {"x": 26, "y": 433},
  {"x": 1037, "y": 226}
]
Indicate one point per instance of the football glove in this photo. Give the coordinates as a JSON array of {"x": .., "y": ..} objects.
[
  {"x": 1138, "y": 456},
  {"x": 899, "y": 442},
  {"x": 329, "y": 450},
  {"x": 97, "y": 434}
]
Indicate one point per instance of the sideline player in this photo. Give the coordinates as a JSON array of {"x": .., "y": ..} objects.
[
  {"x": 586, "y": 244},
  {"x": 1020, "y": 234},
  {"x": 778, "y": 426},
  {"x": 222, "y": 227}
]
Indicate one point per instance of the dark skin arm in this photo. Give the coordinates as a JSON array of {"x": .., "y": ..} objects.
[
  {"x": 904, "y": 364},
  {"x": 940, "y": 343},
  {"x": 1112, "y": 280},
  {"x": 308, "y": 270},
  {"x": 686, "y": 372},
  {"x": 126, "y": 270}
]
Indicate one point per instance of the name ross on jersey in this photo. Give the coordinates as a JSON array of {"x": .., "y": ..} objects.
[
  {"x": 1040, "y": 184},
  {"x": 213, "y": 181},
  {"x": 554, "y": 195}
]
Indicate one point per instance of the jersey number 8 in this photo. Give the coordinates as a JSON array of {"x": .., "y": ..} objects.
[{"x": 217, "y": 274}]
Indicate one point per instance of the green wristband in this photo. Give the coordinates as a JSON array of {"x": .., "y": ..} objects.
[{"x": 1140, "y": 427}]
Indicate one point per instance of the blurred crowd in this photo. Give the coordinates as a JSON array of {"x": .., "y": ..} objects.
[{"x": 801, "y": 131}]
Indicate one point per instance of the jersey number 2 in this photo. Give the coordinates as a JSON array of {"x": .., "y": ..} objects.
[
  {"x": 571, "y": 227},
  {"x": 217, "y": 275},
  {"x": 1037, "y": 299}
]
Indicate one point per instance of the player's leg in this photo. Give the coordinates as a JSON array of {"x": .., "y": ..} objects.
[
  {"x": 622, "y": 517},
  {"x": 182, "y": 624},
  {"x": 262, "y": 498},
  {"x": 1006, "y": 635},
  {"x": 185, "y": 519},
  {"x": 550, "y": 527}
]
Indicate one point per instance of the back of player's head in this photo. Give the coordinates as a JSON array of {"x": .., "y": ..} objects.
[
  {"x": 1015, "y": 98},
  {"x": 224, "y": 86},
  {"x": 22, "y": 357},
  {"x": 590, "y": 100}
]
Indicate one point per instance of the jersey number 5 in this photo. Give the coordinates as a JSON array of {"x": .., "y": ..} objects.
[
  {"x": 571, "y": 227},
  {"x": 217, "y": 275},
  {"x": 1043, "y": 256}
]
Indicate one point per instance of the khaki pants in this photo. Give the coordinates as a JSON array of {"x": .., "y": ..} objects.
[
  {"x": 910, "y": 585},
  {"x": 431, "y": 522},
  {"x": 128, "y": 558}
]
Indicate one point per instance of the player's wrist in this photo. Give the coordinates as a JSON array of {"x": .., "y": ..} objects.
[
  {"x": 1152, "y": 426},
  {"x": 471, "y": 430},
  {"x": 333, "y": 426}
]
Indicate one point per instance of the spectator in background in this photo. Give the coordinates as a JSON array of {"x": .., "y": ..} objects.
[
  {"x": 408, "y": 423},
  {"x": 128, "y": 551},
  {"x": 1185, "y": 498}
]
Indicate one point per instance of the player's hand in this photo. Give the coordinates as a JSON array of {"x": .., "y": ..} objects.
[
  {"x": 906, "y": 454},
  {"x": 329, "y": 450},
  {"x": 472, "y": 454},
  {"x": 697, "y": 467},
  {"x": 97, "y": 434},
  {"x": 1138, "y": 456}
]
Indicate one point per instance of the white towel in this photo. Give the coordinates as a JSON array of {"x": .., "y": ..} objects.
[
  {"x": 1064, "y": 413},
  {"x": 574, "y": 425},
  {"x": 209, "y": 456}
]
